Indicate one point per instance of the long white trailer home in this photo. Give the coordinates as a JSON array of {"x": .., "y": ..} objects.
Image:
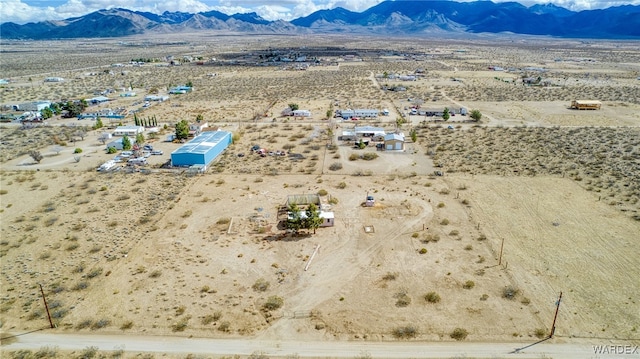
[{"x": 359, "y": 112}]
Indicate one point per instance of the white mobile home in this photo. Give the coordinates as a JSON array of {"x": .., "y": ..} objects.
[
  {"x": 362, "y": 112},
  {"x": 130, "y": 131},
  {"x": 302, "y": 113}
]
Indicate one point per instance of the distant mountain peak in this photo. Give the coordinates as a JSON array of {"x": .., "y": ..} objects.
[{"x": 411, "y": 18}]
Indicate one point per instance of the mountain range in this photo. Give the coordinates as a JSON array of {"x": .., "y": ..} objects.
[{"x": 411, "y": 18}]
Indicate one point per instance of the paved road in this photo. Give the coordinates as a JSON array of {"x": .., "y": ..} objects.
[{"x": 304, "y": 349}]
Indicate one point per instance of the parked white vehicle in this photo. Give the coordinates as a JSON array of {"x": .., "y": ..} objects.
[
  {"x": 137, "y": 161},
  {"x": 107, "y": 166}
]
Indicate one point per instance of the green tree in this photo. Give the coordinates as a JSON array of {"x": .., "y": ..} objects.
[
  {"x": 294, "y": 106},
  {"x": 329, "y": 113},
  {"x": 46, "y": 113},
  {"x": 74, "y": 108},
  {"x": 136, "y": 121},
  {"x": 414, "y": 135},
  {"x": 55, "y": 107},
  {"x": 294, "y": 220},
  {"x": 476, "y": 115},
  {"x": 98, "y": 123},
  {"x": 126, "y": 143},
  {"x": 111, "y": 150},
  {"x": 182, "y": 130},
  {"x": 189, "y": 83},
  {"x": 445, "y": 114},
  {"x": 140, "y": 138},
  {"x": 35, "y": 155},
  {"x": 199, "y": 118},
  {"x": 313, "y": 220}
]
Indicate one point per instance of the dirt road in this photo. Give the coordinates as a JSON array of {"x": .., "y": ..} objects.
[{"x": 306, "y": 349}]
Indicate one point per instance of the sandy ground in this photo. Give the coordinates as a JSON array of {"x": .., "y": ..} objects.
[{"x": 162, "y": 252}]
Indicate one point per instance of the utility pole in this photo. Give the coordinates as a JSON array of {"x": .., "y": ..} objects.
[
  {"x": 46, "y": 306},
  {"x": 553, "y": 326}
]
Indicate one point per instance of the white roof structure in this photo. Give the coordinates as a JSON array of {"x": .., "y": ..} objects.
[
  {"x": 394, "y": 136},
  {"x": 202, "y": 143}
]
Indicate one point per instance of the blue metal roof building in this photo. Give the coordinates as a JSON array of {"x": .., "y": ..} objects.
[{"x": 201, "y": 150}]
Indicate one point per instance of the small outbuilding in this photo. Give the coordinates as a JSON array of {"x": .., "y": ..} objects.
[
  {"x": 201, "y": 150},
  {"x": 394, "y": 142}
]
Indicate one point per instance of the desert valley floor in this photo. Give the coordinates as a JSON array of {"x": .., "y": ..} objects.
[{"x": 476, "y": 229}]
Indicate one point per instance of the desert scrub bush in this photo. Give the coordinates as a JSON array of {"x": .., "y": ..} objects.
[
  {"x": 77, "y": 150},
  {"x": 335, "y": 166},
  {"x": 181, "y": 325},
  {"x": 422, "y": 251},
  {"x": 273, "y": 302},
  {"x": 441, "y": 204},
  {"x": 454, "y": 232},
  {"x": 459, "y": 334},
  {"x": 89, "y": 352},
  {"x": 482, "y": 237},
  {"x": 402, "y": 299},
  {"x": 444, "y": 191},
  {"x": 3, "y": 191},
  {"x": 353, "y": 157},
  {"x": 80, "y": 285},
  {"x": 95, "y": 249},
  {"x": 155, "y": 274},
  {"x": 540, "y": 333},
  {"x": 369, "y": 156},
  {"x": 333, "y": 200},
  {"x": 180, "y": 310},
  {"x": 510, "y": 292},
  {"x": 261, "y": 285},
  {"x": 94, "y": 273},
  {"x": 390, "y": 276},
  {"x": 468, "y": 247},
  {"x": 187, "y": 213},
  {"x": 430, "y": 237},
  {"x": 342, "y": 185},
  {"x": 210, "y": 318},
  {"x": 224, "y": 220},
  {"x": 84, "y": 324},
  {"x": 432, "y": 297},
  {"x": 444, "y": 222},
  {"x": 50, "y": 221},
  {"x": 72, "y": 246},
  {"x": 468, "y": 284},
  {"x": 99, "y": 324},
  {"x": 59, "y": 313},
  {"x": 46, "y": 353},
  {"x": 322, "y": 192},
  {"x": 126, "y": 325},
  {"x": 224, "y": 326},
  {"x": 405, "y": 332}
]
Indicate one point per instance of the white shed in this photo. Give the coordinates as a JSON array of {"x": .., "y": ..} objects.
[{"x": 394, "y": 142}]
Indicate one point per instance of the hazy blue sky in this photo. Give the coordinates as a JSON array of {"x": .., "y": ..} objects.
[{"x": 22, "y": 11}]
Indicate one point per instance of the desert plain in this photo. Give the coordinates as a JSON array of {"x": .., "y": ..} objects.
[{"x": 477, "y": 228}]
